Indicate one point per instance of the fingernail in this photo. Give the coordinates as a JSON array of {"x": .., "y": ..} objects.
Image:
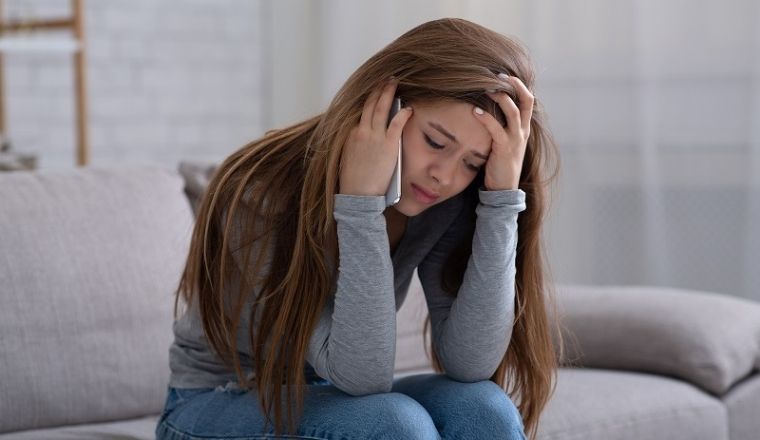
[
  {"x": 491, "y": 90},
  {"x": 479, "y": 110},
  {"x": 503, "y": 76}
]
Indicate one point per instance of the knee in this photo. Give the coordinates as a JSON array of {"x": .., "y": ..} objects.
[
  {"x": 487, "y": 409},
  {"x": 398, "y": 416},
  {"x": 501, "y": 411}
]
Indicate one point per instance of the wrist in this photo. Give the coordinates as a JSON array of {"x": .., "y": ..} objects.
[
  {"x": 503, "y": 185},
  {"x": 486, "y": 188}
]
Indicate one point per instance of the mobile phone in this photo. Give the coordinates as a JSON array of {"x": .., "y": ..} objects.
[{"x": 393, "y": 195}]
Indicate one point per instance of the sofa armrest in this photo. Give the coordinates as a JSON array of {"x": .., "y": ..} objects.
[{"x": 708, "y": 339}]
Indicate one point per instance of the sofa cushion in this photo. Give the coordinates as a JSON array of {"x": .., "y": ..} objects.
[
  {"x": 593, "y": 404},
  {"x": 89, "y": 262},
  {"x": 143, "y": 428},
  {"x": 743, "y": 404},
  {"x": 708, "y": 339}
]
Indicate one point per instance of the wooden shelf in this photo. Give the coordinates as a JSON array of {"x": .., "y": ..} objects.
[{"x": 28, "y": 36}]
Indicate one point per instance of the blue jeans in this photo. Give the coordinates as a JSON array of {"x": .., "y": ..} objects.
[{"x": 422, "y": 406}]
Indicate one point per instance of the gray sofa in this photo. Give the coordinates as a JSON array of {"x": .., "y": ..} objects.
[{"x": 89, "y": 259}]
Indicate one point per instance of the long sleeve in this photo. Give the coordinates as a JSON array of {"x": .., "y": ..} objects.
[
  {"x": 471, "y": 332},
  {"x": 354, "y": 343}
]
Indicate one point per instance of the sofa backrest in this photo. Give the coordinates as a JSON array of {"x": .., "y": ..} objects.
[{"x": 89, "y": 261}]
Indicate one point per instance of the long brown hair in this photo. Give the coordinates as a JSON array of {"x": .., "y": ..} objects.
[{"x": 286, "y": 182}]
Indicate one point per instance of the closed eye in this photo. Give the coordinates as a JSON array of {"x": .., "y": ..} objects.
[
  {"x": 433, "y": 144},
  {"x": 472, "y": 168}
]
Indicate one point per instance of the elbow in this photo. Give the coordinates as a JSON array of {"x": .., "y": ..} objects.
[
  {"x": 360, "y": 376},
  {"x": 462, "y": 372},
  {"x": 471, "y": 366},
  {"x": 358, "y": 390},
  {"x": 365, "y": 388},
  {"x": 467, "y": 376},
  {"x": 366, "y": 385}
]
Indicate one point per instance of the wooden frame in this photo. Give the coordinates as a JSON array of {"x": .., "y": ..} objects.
[{"x": 74, "y": 23}]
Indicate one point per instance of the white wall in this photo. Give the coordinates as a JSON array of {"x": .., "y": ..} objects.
[
  {"x": 317, "y": 44},
  {"x": 167, "y": 80}
]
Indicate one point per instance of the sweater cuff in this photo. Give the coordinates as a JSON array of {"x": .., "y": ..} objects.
[
  {"x": 514, "y": 198},
  {"x": 351, "y": 203}
]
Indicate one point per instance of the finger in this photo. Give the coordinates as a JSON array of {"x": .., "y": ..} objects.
[
  {"x": 383, "y": 106},
  {"x": 497, "y": 132},
  {"x": 526, "y": 101},
  {"x": 369, "y": 107},
  {"x": 397, "y": 124},
  {"x": 509, "y": 108}
]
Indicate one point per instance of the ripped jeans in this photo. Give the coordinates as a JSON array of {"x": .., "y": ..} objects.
[{"x": 422, "y": 406}]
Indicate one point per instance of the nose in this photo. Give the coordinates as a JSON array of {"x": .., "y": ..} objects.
[{"x": 443, "y": 171}]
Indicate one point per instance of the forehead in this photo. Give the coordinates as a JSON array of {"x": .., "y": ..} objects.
[{"x": 457, "y": 118}]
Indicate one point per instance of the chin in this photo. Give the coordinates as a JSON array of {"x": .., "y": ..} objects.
[{"x": 410, "y": 208}]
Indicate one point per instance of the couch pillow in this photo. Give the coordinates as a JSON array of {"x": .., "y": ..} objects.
[
  {"x": 708, "y": 339},
  {"x": 89, "y": 261},
  {"x": 197, "y": 176}
]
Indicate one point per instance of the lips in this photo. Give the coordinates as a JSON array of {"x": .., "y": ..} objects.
[{"x": 426, "y": 195}]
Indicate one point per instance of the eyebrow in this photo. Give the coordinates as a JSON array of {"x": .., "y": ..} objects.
[{"x": 454, "y": 139}]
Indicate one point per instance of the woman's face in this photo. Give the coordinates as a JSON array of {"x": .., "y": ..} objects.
[{"x": 443, "y": 148}]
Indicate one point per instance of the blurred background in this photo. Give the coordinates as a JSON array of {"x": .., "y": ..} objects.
[{"x": 655, "y": 106}]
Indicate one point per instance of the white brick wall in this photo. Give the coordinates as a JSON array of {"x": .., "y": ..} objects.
[{"x": 168, "y": 80}]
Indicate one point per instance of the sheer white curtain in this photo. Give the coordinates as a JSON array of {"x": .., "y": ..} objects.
[{"x": 655, "y": 105}]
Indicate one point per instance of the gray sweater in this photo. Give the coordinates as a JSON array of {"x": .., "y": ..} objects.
[{"x": 354, "y": 343}]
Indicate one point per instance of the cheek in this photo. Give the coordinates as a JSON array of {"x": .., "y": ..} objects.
[{"x": 413, "y": 155}]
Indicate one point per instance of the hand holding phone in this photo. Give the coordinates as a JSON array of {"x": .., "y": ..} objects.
[
  {"x": 373, "y": 149},
  {"x": 393, "y": 195}
]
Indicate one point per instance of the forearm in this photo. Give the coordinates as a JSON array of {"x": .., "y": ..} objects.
[
  {"x": 356, "y": 351},
  {"x": 474, "y": 338}
]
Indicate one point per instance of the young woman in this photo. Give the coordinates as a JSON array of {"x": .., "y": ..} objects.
[{"x": 297, "y": 266}]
